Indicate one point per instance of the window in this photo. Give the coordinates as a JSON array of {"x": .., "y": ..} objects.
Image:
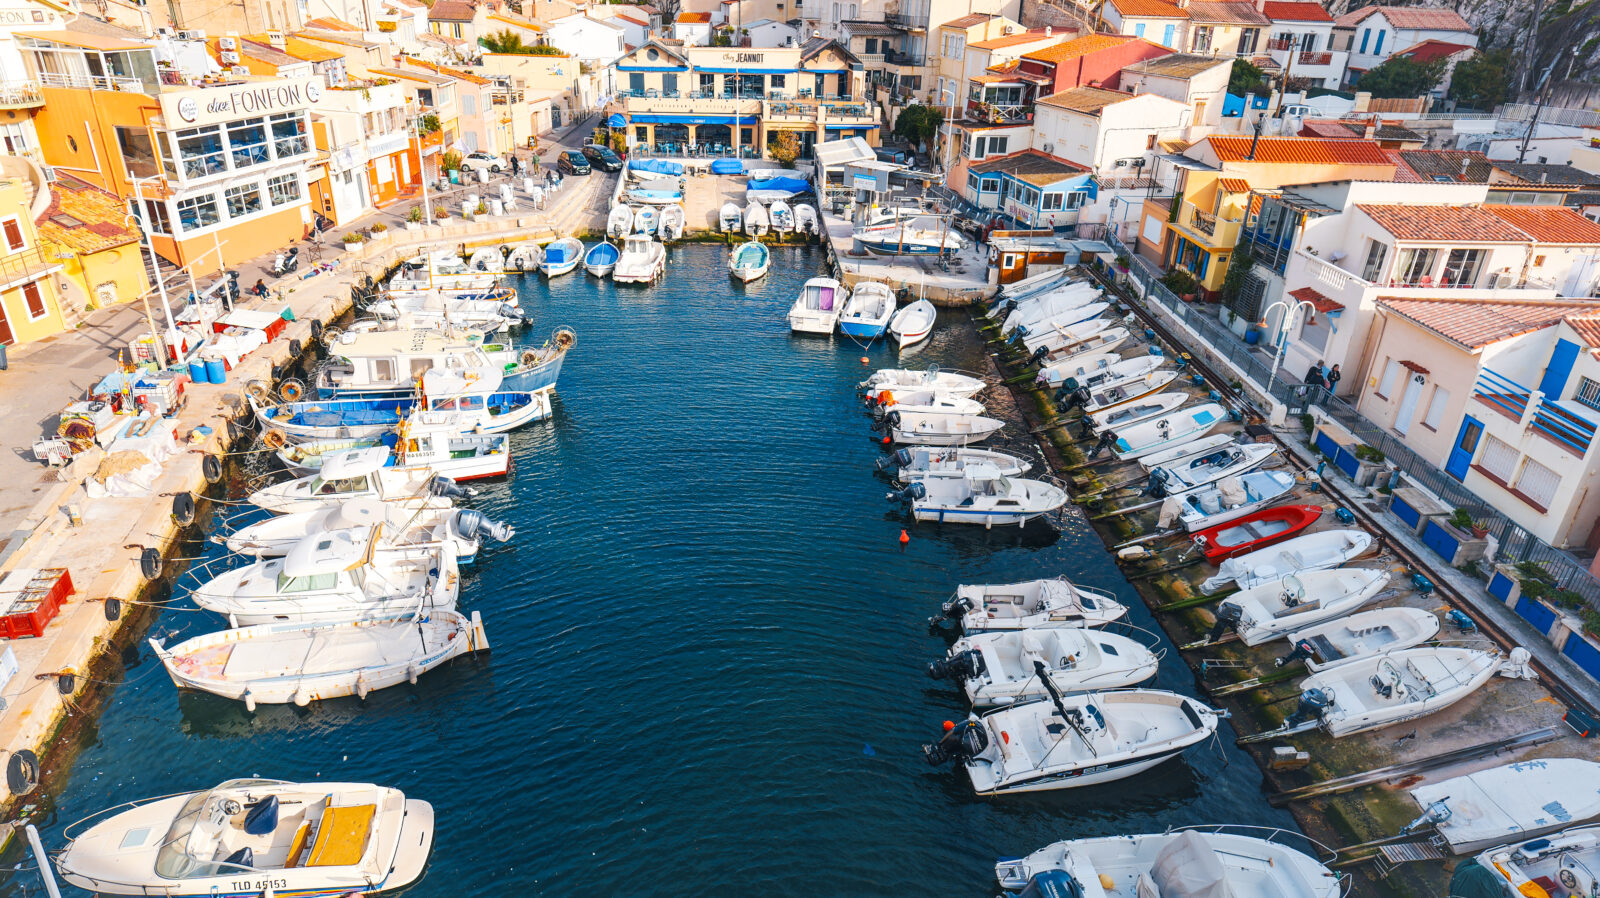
[
  {"x": 198, "y": 212},
  {"x": 974, "y": 183},
  {"x": 708, "y": 85},
  {"x": 1314, "y": 331},
  {"x": 636, "y": 83},
  {"x": 1538, "y": 483},
  {"x": 1462, "y": 266},
  {"x": 1376, "y": 254},
  {"x": 991, "y": 183},
  {"x": 1308, "y": 42},
  {"x": 1435, "y": 413},
  {"x": 1588, "y": 392},
  {"x": 243, "y": 200},
  {"x": 138, "y": 153},
  {"x": 1415, "y": 264},
  {"x": 247, "y": 142},
  {"x": 872, "y": 46},
  {"x": 13, "y": 231},
  {"x": 1499, "y": 458},
  {"x": 289, "y": 134},
  {"x": 777, "y": 81},
  {"x": 200, "y": 151},
  {"x": 1391, "y": 373},
  {"x": 155, "y": 217},
  {"x": 469, "y": 104},
  {"x": 1052, "y": 202},
  {"x": 1366, "y": 34},
  {"x": 669, "y": 84},
  {"x": 283, "y": 189},
  {"x": 1138, "y": 30},
  {"x": 1202, "y": 39},
  {"x": 1074, "y": 200},
  {"x": 33, "y": 300},
  {"x": 1247, "y": 41},
  {"x": 997, "y": 146},
  {"x": 1167, "y": 34}
]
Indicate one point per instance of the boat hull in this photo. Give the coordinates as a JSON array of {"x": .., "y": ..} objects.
[
  {"x": 870, "y": 330},
  {"x": 1289, "y": 519},
  {"x": 1073, "y": 779}
]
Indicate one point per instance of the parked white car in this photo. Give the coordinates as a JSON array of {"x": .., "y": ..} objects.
[{"x": 481, "y": 160}]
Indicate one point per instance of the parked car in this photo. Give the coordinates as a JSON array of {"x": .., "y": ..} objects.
[
  {"x": 894, "y": 154},
  {"x": 602, "y": 157},
  {"x": 481, "y": 160},
  {"x": 572, "y": 163}
]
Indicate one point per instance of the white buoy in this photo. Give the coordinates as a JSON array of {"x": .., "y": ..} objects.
[
  {"x": 411, "y": 673},
  {"x": 302, "y": 697},
  {"x": 249, "y": 702}
]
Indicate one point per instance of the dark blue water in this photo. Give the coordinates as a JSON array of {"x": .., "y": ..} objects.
[{"x": 709, "y": 644}]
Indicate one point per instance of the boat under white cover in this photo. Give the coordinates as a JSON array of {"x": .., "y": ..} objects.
[
  {"x": 1512, "y": 802},
  {"x": 1036, "y": 310},
  {"x": 982, "y": 495},
  {"x": 1269, "y": 610},
  {"x": 255, "y": 836},
  {"x": 816, "y": 310},
  {"x": 1224, "y": 500},
  {"x": 1394, "y": 687},
  {"x": 1359, "y": 635},
  {"x": 922, "y": 462},
  {"x": 1311, "y": 552},
  {"x": 1061, "y": 331},
  {"x": 938, "y": 429},
  {"x": 334, "y": 576},
  {"x": 1010, "y": 666},
  {"x": 1075, "y": 740},
  {"x": 642, "y": 261},
  {"x": 1054, "y": 602},
  {"x": 731, "y": 219},
  {"x": 1198, "y": 862},
  {"x": 932, "y": 378},
  {"x": 404, "y": 524},
  {"x": 619, "y": 223}
]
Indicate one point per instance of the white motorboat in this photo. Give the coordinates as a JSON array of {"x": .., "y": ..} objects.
[
  {"x": 936, "y": 429},
  {"x": 488, "y": 259},
  {"x": 354, "y": 474},
  {"x": 253, "y": 836},
  {"x": 275, "y": 664},
  {"x": 1197, "y": 862},
  {"x": 931, "y": 378},
  {"x": 781, "y": 216},
  {"x": 1311, "y": 552},
  {"x": 1153, "y": 406},
  {"x": 1009, "y": 666},
  {"x": 619, "y": 223},
  {"x": 1119, "y": 391},
  {"x": 458, "y": 456},
  {"x": 1270, "y": 610},
  {"x": 671, "y": 224},
  {"x": 982, "y": 495},
  {"x": 645, "y": 220},
  {"x": 1518, "y": 801},
  {"x": 337, "y": 575},
  {"x": 396, "y": 312},
  {"x": 921, "y": 462},
  {"x": 384, "y": 363},
  {"x": 1077, "y": 367},
  {"x": 525, "y": 257},
  {"x": 1169, "y": 430},
  {"x": 1107, "y": 370},
  {"x": 921, "y": 236},
  {"x": 1229, "y": 461},
  {"x": 756, "y": 222},
  {"x": 1090, "y": 336},
  {"x": 1037, "y": 310},
  {"x": 643, "y": 261},
  {"x": 1360, "y": 635},
  {"x": 1070, "y": 741},
  {"x": 731, "y": 218},
  {"x": 403, "y": 524},
  {"x": 912, "y": 324},
  {"x": 440, "y": 270},
  {"x": 1394, "y": 687},
  {"x": 1568, "y": 861},
  {"x": 1225, "y": 500},
  {"x": 868, "y": 311},
  {"x": 1033, "y": 604},
  {"x": 600, "y": 259},
  {"x": 561, "y": 257},
  {"x": 806, "y": 220},
  {"x": 932, "y": 401},
  {"x": 1178, "y": 454},
  {"x": 817, "y": 309},
  {"x": 1059, "y": 332},
  {"x": 750, "y": 261}
]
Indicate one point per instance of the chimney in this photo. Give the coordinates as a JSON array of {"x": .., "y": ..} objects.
[
  {"x": 1261, "y": 6},
  {"x": 1048, "y": 31},
  {"x": 1543, "y": 177},
  {"x": 1370, "y": 129},
  {"x": 1465, "y": 162},
  {"x": 275, "y": 38}
]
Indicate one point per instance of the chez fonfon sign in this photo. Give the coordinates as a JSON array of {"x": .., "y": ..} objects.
[{"x": 205, "y": 105}]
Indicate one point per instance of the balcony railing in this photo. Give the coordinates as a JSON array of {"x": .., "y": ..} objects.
[
  {"x": 21, "y": 95},
  {"x": 1219, "y": 232},
  {"x": 904, "y": 22},
  {"x": 24, "y": 267},
  {"x": 895, "y": 57},
  {"x": 91, "y": 82},
  {"x": 998, "y": 113},
  {"x": 1314, "y": 59},
  {"x": 1565, "y": 428}
]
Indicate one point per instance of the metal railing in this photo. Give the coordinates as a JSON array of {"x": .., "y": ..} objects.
[
  {"x": 895, "y": 57},
  {"x": 904, "y": 22},
  {"x": 91, "y": 82}
]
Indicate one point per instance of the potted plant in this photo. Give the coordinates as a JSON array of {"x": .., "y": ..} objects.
[
  {"x": 1480, "y": 528},
  {"x": 440, "y": 213},
  {"x": 352, "y": 241},
  {"x": 482, "y": 209},
  {"x": 450, "y": 163},
  {"x": 414, "y": 218},
  {"x": 1182, "y": 283},
  {"x": 378, "y": 227},
  {"x": 1122, "y": 263}
]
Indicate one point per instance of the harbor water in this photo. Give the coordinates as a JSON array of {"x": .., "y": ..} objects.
[{"x": 709, "y": 643}]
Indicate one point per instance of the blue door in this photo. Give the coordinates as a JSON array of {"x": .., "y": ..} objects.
[
  {"x": 1465, "y": 446},
  {"x": 1559, "y": 369}
]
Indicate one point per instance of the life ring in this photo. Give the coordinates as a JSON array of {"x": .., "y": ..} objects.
[
  {"x": 274, "y": 439},
  {"x": 292, "y": 390}
]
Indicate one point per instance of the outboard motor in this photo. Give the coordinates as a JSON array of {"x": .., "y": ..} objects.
[
  {"x": 1078, "y": 398},
  {"x": 950, "y": 612},
  {"x": 1106, "y": 441},
  {"x": 1038, "y": 355},
  {"x": 900, "y": 459},
  {"x": 1313, "y": 702},
  {"x": 1228, "y": 617},
  {"x": 1302, "y": 651},
  {"x": 961, "y": 743},
  {"x": 511, "y": 312},
  {"x": 470, "y": 525},
  {"x": 967, "y": 665},
  {"x": 887, "y": 423},
  {"x": 1156, "y": 486},
  {"x": 913, "y": 491},
  {"x": 445, "y": 488}
]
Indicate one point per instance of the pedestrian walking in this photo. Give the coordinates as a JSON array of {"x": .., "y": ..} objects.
[
  {"x": 1315, "y": 376},
  {"x": 1333, "y": 377}
]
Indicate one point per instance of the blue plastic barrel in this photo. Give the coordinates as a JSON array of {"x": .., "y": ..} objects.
[
  {"x": 1252, "y": 337},
  {"x": 197, "y": 372},
  {"x": 216, "y": 371}
]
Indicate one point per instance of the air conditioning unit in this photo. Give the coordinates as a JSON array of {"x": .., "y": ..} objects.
[
  {"x": 1048, "y": 147},
  {"x": 242, "y": 71},
  {"x": 163, "y": 31},
  {"x": 229, "y": 57},
  {"x": 194, "y": 34},
  {"x": 49, "y": 173},
  {"x": 227, "y": 43}
]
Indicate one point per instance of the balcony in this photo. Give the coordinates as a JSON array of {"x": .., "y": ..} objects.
[
  {"x": 21, "y": 95},
  {"x": 25, "y": 267},
  {"x": 907, "y": 60},
  {"x": 1213, "y": 232},
  {"x": 1549, "y": 419},
  {"x": 902, "y": 22},
  {"x": 999, "y": 113},
  {"x": 92, "y": 82},
  {"x": 693, "y": 103}
]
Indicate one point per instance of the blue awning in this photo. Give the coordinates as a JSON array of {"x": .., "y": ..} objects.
[
  {"x": 655, "y": 119},
  {"x": 745, "y": 71},
  {"x": 652, "y": 68},
  {"x": 850, "y": 127},
  {"x": 616, "y": 121}
]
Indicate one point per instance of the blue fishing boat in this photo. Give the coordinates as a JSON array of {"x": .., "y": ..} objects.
[
  {"x": 867, "y": 312},
  {"x": 472, "y": 400},
  {"x": 601, "y": 258},
  {"x": 561, "y": 256}
]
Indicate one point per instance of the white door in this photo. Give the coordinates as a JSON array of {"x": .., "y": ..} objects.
[{"x": 1408, "y": 403}]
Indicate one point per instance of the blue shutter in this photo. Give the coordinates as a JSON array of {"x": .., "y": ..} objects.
[
  {"x": 1378, "y": 50},
  {"x": 1166, "y": 35},
  {"x": 1366, "y": 33},
  {"x": 1138, "y": 30},
  {"x": 1559, "y": 369}
]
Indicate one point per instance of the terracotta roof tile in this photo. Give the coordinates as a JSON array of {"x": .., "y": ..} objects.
[
  {"x": 1082, "y": 46},
  {"x": 1295, "y": 11},
  {"x": 1226, "y": 12},
  {"x": 695, "y": 18},
  {"x": 1089, "y": 100},
  {"x": 1412, "y": 17},
  {"x": 329, "y": 23},
  {"x": 1300, "y": 150},
  {"x": 1149, "y": 9},
  {"x": 1403, "y": 173},
  {"x": 1448, "y": 165},
  {"x": 1318, "y": 301},
  {"x": 968, "y": 21},
  {"x": 1547, "y": 174},
  {"x": 1021, "y": 37},
  {"x": 451, "y": 11},
  {"x": 92, "y": 219},
  {"x": 1178, "y": 65},
  {"x": 1435, "y": 223},
  {"x": 1587, "y": 326},
  {"x": 1234, "y": 185},
  {"x": 1478, "y": 322},
  {"x": 1325, "y": 127},
  {"x": 1033, "y": 166},
  {"x": 1549, "y": 224},
  {"x": 1431, "y": 50}
]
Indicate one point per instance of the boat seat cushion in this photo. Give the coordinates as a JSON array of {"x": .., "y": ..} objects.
[
  {"x": 262, "y": 817},
  {"x": 297, "y": 846},
  {"x": 342, "y": 837},
  {"x": 244, "y": 857}
]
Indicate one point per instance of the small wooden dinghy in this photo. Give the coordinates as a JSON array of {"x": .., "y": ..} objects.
[
  {"x": 1255, "y": 531},
  {"x": 1268, "y": 611},
  {"x": 1312, "y": 552},
  {"x": 1360, "y": 635},
  {"x": 1056, "y": 602},
  {"x": 749, "y": 261},
  {"x": 1005, "y": 667},
  {"x": 276, "y": 664}
]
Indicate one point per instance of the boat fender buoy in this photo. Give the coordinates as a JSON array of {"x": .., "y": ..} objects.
[
  {"x": 211, "y": 467},
  {"x": 1132, "y": 553},
  {"x": 316, "y": 330},
  {"x": 1106, "y": 882},
  {"x": 362, "y": 688},
  {"x": 296, "y": 348},
  {"x": 113, "y": 608},
  {"x": 904, "y": 537},
  {"x": 864, "y": 360},
  {"x": 302, "y": 697},
  {"x": 411, "y": 674},
  {"x": 150, "y": 563},
  {"x": 1005, "y": 737},
  {"x": 249, "y": 702},
  {"x": 66, "y": 681},
  {"x": 183, "y": 510}
]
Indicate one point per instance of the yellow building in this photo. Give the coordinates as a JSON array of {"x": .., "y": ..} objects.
[
  {"x": 87, "y": 230},
  {"x": 30, "y": 303}
]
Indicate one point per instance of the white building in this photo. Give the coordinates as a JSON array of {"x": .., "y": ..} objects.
[
  {"x": 1198, "y": 82},
  {"x": 595, "y": 41},
  {"x": 1158, "y": 21},
  {"x": 693, "y": 28},
  {"x": 1301, "y": 42},
  {"x": 1372, "y": 34},
  {"x": 767, "y": 34}
]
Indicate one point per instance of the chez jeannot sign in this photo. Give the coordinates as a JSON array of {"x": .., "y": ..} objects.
[{"x": 207, "y": 105}]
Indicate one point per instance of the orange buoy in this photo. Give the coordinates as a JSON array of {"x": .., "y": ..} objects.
[
  {"x": 886, "y": 439},
  {"x": 904, "y": 537},
  {"x": 948, "y": 726},
  {"x": 863, "y": 360}
]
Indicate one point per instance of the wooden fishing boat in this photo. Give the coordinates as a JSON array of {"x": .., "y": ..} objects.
[{"x": 1255, "y": 531}]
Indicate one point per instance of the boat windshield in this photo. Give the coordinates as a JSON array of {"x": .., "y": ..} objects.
[
  {"x": 348, "y": 485},
  {"x": 312, "y": 583},
  {"x": 187, "y": 848}
]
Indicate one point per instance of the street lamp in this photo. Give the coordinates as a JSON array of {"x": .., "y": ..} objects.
[
  {"x": 1282, "y": 338},
  {"x": 949, "y": 124}
]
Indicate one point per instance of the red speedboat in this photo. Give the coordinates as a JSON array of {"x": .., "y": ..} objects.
[{"x": 1254, "y": 530}]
